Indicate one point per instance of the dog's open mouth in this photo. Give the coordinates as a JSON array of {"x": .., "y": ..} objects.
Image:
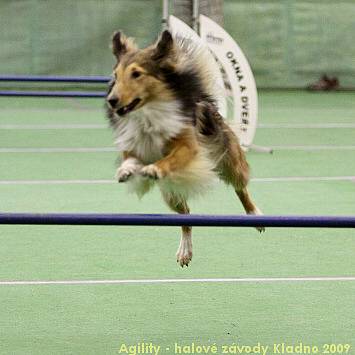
[{"x": 128, "y": 108}]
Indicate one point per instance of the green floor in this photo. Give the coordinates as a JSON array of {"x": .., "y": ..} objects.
[{"x": 98, "y": 319}]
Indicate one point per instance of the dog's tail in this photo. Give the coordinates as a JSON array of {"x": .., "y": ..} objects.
[{"x": 198, "y": 56}]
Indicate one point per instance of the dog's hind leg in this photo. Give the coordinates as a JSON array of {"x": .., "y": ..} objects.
[
  {"x": 233, "y": 169},
  {"x": 179, "y": 205},
  {"x": 249, "y": 205}
]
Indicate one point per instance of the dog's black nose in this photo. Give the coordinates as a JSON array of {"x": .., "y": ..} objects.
[{"x": 113, "y": 101}]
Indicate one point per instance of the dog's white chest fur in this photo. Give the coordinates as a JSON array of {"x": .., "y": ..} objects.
[{"x": 146, "y": 131}]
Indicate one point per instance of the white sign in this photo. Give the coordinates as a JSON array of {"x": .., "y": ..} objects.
[{"x": 240, "y": 76}]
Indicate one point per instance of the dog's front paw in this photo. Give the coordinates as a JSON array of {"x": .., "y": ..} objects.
[
  {"x": 152, "y": 171},
  {"x": 124, "y": 173}
]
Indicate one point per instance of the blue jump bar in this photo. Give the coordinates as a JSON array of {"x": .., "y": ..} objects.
[
  {"x": 44, "y": 93},
  {"x": 179, "y": 220},
  {"x": 56, "y": 78}
]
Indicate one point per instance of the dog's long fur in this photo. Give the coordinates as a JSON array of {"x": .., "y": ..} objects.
[{"x": 161, "y": 106}]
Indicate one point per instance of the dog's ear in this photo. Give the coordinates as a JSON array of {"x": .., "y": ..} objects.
[
  {"x": 121, "y": 44},
  {"x": 164, "y": 46},
  {"x": 118, "y": 46}
]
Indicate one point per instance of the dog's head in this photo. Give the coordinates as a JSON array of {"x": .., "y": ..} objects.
[{"x": 139, "y": 73}]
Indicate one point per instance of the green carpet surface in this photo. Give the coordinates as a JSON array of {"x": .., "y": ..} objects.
[{"x": 99, "y": 319}]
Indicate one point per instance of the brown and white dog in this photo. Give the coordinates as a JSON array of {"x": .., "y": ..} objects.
[{"x": 161, "y": 105}]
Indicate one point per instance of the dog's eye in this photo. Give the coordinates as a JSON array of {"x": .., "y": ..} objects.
[{"x": 136, "y": 74}]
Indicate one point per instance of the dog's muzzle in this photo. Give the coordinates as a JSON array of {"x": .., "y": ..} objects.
[{"x": 123, "y": 110}]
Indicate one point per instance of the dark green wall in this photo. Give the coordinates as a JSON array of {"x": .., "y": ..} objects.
[{"x": 289, "y": 43}]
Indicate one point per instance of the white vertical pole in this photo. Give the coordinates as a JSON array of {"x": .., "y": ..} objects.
[
  {"x": 165, "y": 14},
  {"x": 195, "y": 14}
]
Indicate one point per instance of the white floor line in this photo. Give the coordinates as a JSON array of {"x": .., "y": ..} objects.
[
  {"x": 73, "y": 108},
  {"x": 304, "y": 178},
  {"x": 312, "y": 147},
  {"x": 169, "y": 281},
  {"x": 108, "y": 181},
  {"x": 58, "y": 150},
  {"x": 57, "y": 182},
  {"x": 305, "y": 125},
  {"x": 113, "y": 149},
  {"x": 105, "y": 126},
  {"x": 52, "y": 126}
]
